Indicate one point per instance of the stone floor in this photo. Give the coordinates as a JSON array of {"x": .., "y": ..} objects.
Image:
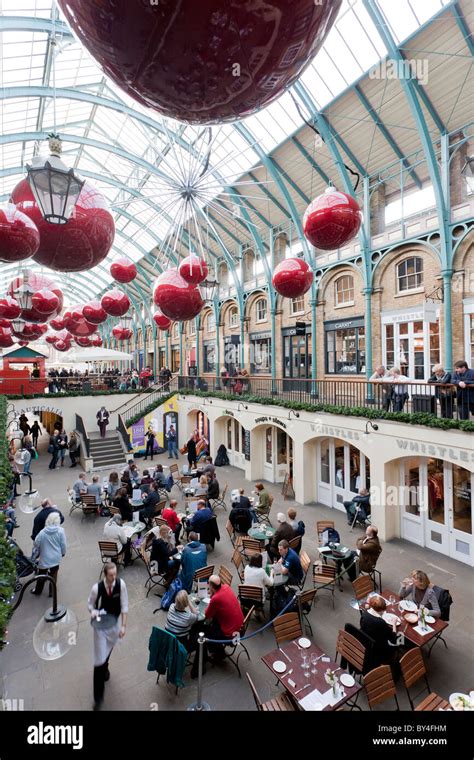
[{"x": 66, "y": 684}]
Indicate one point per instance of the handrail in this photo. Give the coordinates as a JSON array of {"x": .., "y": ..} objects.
[
  {"x": 157, "y": 386},
  {"x": 82, "y": 430},
  {"x": 164, "y": 390},
  {"x": 122, "y": 430}
]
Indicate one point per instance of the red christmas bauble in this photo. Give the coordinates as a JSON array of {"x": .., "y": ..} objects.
[
  {"x": 162, "y": 322},
  {"x": 203, "y": 62},
  {"x": 97, "y": 341},
  {"x": 123, "y": 270},
  {"x": 121, "y": 333},
  {"x": 6, "y": 339},
  {"x": 65, "y": 336},
  {"x": 62, "y": 345},
  {"x": 193, "y": 269},
  {"x": 75, "y": 322},
  {"x": 5, "y": 323},
  {"x": 83, "y": 342},
  {"x": 45, "y": 302},
  {"x": 80, "y": 244},
  {"x": 176, "y": 299},
  {"x": 30, "y": 331},
  {"x": 57, "y": 323},
  {"x": 331, "y": 220},
  {"x": 51, "y": 339},
  {"x": 94, "y": 313},
  {"x": 23, "y": 342},
  {"x": 19, "y": 236},
  {"x": 292, "y": 278},
  {"x": 9, "y": 308},
  {"x": 37, "y": 282},
  {"x": 115, "y": 302}
]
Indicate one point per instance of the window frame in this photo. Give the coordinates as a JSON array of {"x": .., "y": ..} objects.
[
  {"x": 258, "y": 318},
  {"x": 337, "y": 293},
  {"x": 417, "y": 274}
]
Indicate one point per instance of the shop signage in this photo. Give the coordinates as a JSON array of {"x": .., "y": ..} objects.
[
  {"x": 260, "y": 336},
  {"x": 440, "y": 452},
  {"x": 346, "y": 325},
  {"x": 348, "y": 435},
  {"x": 274, "y": 420},
  {"x": 42, "y": 408},
  {"x": 430, "y": 312},
  {"x": 408, "y": 316}
]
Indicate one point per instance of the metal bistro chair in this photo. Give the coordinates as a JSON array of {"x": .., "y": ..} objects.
[
  {"x": 379, "y": 686},
  {"x": 295, "y": 543},
  {"x": 263, "y": 515},
  {"x": 281, "y": 703},
  {"x": 154, "y": 577},
  {"x": 203, "y": 574},
  {"x": 230, "y": 649},
  {"x": 251, "y": 596},
  {"x": 324, "y": 579},
  {"x": 413, "y": 670},
  {"x": 363, "y": 586},
  {"x": 220, "y": 501},
  {"x": 321, "y": 526},
  {"x": 305, "y": 564},
  {"x": 250, "y": 546},
  {"x": 109, "y": 552}
]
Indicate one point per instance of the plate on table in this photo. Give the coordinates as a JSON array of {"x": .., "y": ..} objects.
[
  {"x": 407, "y": 605},
  {"x": 347, "y": 680},
  {"x": 206, "y": 600},
  {"x": 459, "y": 701},
  {"x": 430, "y": 619},
  {"x": 390, "y": 618},
  {"x": 269, "y": 533},
  {"x": 279, "y": 666},
  {"x": 304, "y": 643},
  {"x": 410, "y": 617}
]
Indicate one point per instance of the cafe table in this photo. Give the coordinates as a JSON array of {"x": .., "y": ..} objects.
[
  {"x": 411, "y": 631},
  {"x": 261, "y": 533},
  {"x": 342, "y": 553},
  {"x": 312, "y": 693}
]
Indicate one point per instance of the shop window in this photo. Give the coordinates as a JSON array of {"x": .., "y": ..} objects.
[
  {"x": 192, "y": 327},
  {"x": 242, "y": 439},
  {"x": 260, "y": 355},
  {"x": 471, "y": 338},
  {"x": 175, "y": 332},
  {"x": 282, "y": 453},
  {"x": 175, "y": 360},
  {"x": 409, "y": 274},
  {"x": 339, "y": 466},
  {"x": 237, "y": 435},
  {"x": 436, "y": 490},
  {"x": 261, "y": 310},
  {"x": 344, "y": 287},
  {"x": 325, "y": 468},
  {"x": 345, "y": 351},
  {"x": 413, "y": 489},
  {"x": 297, "y": 305},
  {"x": 462, "y": 499},
  {"x": 229, "y": 435},
  {"x": 210, "y": 357}
]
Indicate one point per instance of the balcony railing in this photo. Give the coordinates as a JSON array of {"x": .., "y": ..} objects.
[{"x": 438, "y": 400}]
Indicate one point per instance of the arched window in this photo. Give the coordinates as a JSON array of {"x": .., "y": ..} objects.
[
  {"x": 344, "y": 290},
  {"x": 175, "y": 332},
  {"x": 261, "y": 310},
  {"x": 249, "y": 265},
  {"x": 410, "y": 274},
  {"x": 211, "y": 323},
  {"x": 233, "y": 317}
]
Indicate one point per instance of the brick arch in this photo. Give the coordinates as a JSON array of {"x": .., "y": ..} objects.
[
  {"x": 329, "y": 278},
  {"x": 394, "y": 257},
  {"x": 226, "y": 305},
  {"x": 464, "y": 256},
  {"x": 252, "y": 300}
]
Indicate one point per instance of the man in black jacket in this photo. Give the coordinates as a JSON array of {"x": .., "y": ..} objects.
[
  {"x": 149, "y": 505},
  {"x": 464, "y": 381},
  {"x": 213, "y": 489},
  {"x": 40, "y": 519}
]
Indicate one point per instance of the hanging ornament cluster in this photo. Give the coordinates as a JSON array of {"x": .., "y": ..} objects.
[
  {"x": 121, "y": 332},
  {"x": 162, "y": 322},
  {"x": 240, "y": 56},
  {"x": 176, "y": 298},
  {"x": 75, "y": 322},
  {"x": 94, "y": 312},
  {"x": 123, "y": 270},
  {"x": 38, "y": 296},
  {"x": 332, "y": 220},
  {"x": 6, "y": 339},
  {"x": 292, "y": 278}
]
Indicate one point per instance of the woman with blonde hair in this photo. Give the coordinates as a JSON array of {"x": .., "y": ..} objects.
[
  {"x": 418, "y": 589},
  {"x": 201, "y": 489},
  {"x": 181, "y": 616}
]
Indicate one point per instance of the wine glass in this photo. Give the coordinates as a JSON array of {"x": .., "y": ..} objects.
[
  {"x": 314, "y": 660},
  {"x": 306, "y": 666}
]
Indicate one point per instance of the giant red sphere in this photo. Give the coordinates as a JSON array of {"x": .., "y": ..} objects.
[
  {"x": 80, "y": 244},
  {"x": 292, "y": 278},
  {"x": 162, "y": 322},
  {"x": 83, "y": 342},
  {"x": 123, "y": 270},
  {"x": 5, "y": 323},
  {"x": 57, "y": 324},
  {"x": 96, "y": 341},
  {"x": 62, "y": 345},
  {"x": 94, "y": 312},
  {"x": 193, "y": 269},
  {"x": 115, "y": 302},
  {"x": 65, "y": 336},
  {"x": 51, "y": 339},
  {"x": 121, "y": 333},
  {"x": 331, "y": 220},
  {"x": 203, "y": 62},
  {"x": 37, "y": 282},
  {"x": 45, "y": 302},
  {"x": 75, "y": 322},
  {"x": 9, "y": 308},
  {"x": 6, "y": 339},
  {"x": 176, "y": 299},
  {"x": 19, "y": 236},
  {"x": 29, "y": 331}
]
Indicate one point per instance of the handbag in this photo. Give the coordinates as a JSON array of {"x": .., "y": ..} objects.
[{"x": 50, "y": 449}]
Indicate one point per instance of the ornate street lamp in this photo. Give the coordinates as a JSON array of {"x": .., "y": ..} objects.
[
  {"x": 24, "y": 292},
  {"x": 208, "y": 289},
  {"x": 55, "y": 187}
]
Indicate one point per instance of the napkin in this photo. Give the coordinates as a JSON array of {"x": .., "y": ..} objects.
[
  {"x": 315, "y": 698},
  {"x": 421, "y": 632}
]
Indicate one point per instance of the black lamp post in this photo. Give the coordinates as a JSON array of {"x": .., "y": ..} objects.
[
  {"x": 208, "y": 289},
  {"x": 55, "y": 187}
]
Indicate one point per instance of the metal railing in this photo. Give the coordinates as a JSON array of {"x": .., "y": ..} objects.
[
  {"x": 446, "y": 401},
  {"x": 123, "y": 432},
  {"x": 148, "y": 399},
  {"x": 82, "y": 431}
]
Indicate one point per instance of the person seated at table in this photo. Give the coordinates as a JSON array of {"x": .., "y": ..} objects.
[
  {"x": 209, "y": 468},
  {"x": 193, "y": 558},
  {"x": 134, "y": 475},
  {"x": 181, "y": 617},
  {"x": 159, "y": 476},
  {"x": 418, "y": 589},
  {"x": 122, "y": 503},
  {"x": 148, "y": 510},
  {"x": 213, "y": 489},
  {"x": 95, "y": 489},
  {"x": 263, "y": 500},
  {"x": 145, "y": 480},
  {"x": 291, "y": 517},
  {"x": 225, "y": 613},
  {"x": 240, "y": 519},
  {"x": 126, "y": 483},
  {"x": 163, "y": 551},
  {"x": 255, "y": 574},
  {"x": 169, "y": 514},
  {"x": 290, "y": 563},
  {"x": 113, "y": 485},
  {"x": 202, "y": 487},
  {"x": 369, "y": 549},
  {"x": 360, "y": 506},
  {"x": 113, "y": 531},
  {"x": 80, "y": 486},
  {"x": 383, "y": 634},
  {"x": 284, "y": 531},
  {"x": 203, "y": 514}
]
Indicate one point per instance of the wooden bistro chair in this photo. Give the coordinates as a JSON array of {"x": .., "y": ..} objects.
[
  {"x": 238, "y": 562},
  {"x": 433, "y": 702},
  {"x": 281, "y": 703},
  {"x": 220, "y": 501},
  {"x": 305, "y": 601},
  {"x": 305, "y": 564},
  {"x": 250, "y": 546},
  {"x": 203, "y": 574},
  {"x": 109, "y": 552},
  {"x": 363, "y": 586},
  {"x": 231, "y": 648},
  {"x": 287, "y": 627},
  {"x": 251, "y": 596},
  {"x": 177, "y": 477},
  {"x": 157, "y": 522},
  {"x": 321, "y": 526},
  {"x": 353, "y": 651},
  {"x": 413, "y": 670},
  {"x": 88, "y": 505},
  {"x": 263, "y": 515},
  {"x": 225, "y": 575},
  {"x": 379, "y": 686},
  {"x": 324, "y": 578},
  {"x": 295, "y": 543}
]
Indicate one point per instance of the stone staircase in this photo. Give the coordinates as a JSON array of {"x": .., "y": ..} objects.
[{"x": 108, "y": 451}]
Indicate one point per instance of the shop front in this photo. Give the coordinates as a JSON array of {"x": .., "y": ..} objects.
[
  {"x": 342, "y": 470},
  {"x": 277, "y": 454},
  {"x": 297, "y": 356},
  {"x": 411, "y": 342}
]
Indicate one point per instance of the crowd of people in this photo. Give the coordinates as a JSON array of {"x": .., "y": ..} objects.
[{"x": 63, "y": 379}]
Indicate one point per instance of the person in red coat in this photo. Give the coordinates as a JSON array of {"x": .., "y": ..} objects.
[
  {"x": 169, "y": 514},
  {"x": 224, "y": 612}
]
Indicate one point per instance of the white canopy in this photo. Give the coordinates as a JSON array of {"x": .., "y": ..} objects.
[{"x": 97, "y": 355}]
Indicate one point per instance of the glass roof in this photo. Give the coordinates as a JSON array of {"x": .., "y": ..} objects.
[{"x": 135, "y": 159}]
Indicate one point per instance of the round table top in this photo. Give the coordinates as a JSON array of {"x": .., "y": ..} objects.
[{"x": 261, "y": 533}]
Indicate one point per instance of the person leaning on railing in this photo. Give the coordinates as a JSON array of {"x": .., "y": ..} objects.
[
  {"x": 443, "y": 394},
  {"x": 381, "y": 375}
]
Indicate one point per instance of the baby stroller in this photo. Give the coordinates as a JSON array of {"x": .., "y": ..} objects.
[{"x": 25, "y": 566}]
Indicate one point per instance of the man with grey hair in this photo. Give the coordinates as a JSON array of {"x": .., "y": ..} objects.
[
  {"x": 95, "y": 489},
  {"x": 113, "y": 531},
  {"x": 444, "y": 391},
  {"x": 224, "y": 612},
  {"x": 284, "y": 531}
]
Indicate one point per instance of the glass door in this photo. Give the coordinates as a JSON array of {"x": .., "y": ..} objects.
[
  {"x": 460, "y": 514},
  {"x": 297, "y": 360}
]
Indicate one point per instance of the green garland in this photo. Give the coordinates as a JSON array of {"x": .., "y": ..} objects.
[
  {"x": 417, "y": 418},
  {"x": 7, "y": 552}
]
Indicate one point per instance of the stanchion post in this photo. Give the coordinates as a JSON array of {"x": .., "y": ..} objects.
[{"x": 200, "y": 706}]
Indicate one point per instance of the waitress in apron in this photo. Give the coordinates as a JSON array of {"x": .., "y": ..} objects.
[{"x": 109, "y": 598}]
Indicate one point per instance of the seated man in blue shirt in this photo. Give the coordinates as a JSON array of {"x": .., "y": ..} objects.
[
  {"x": 202, "y": 515},
  {"x": 290, "y": 563},
  {"x": 194, "y": 557}
]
